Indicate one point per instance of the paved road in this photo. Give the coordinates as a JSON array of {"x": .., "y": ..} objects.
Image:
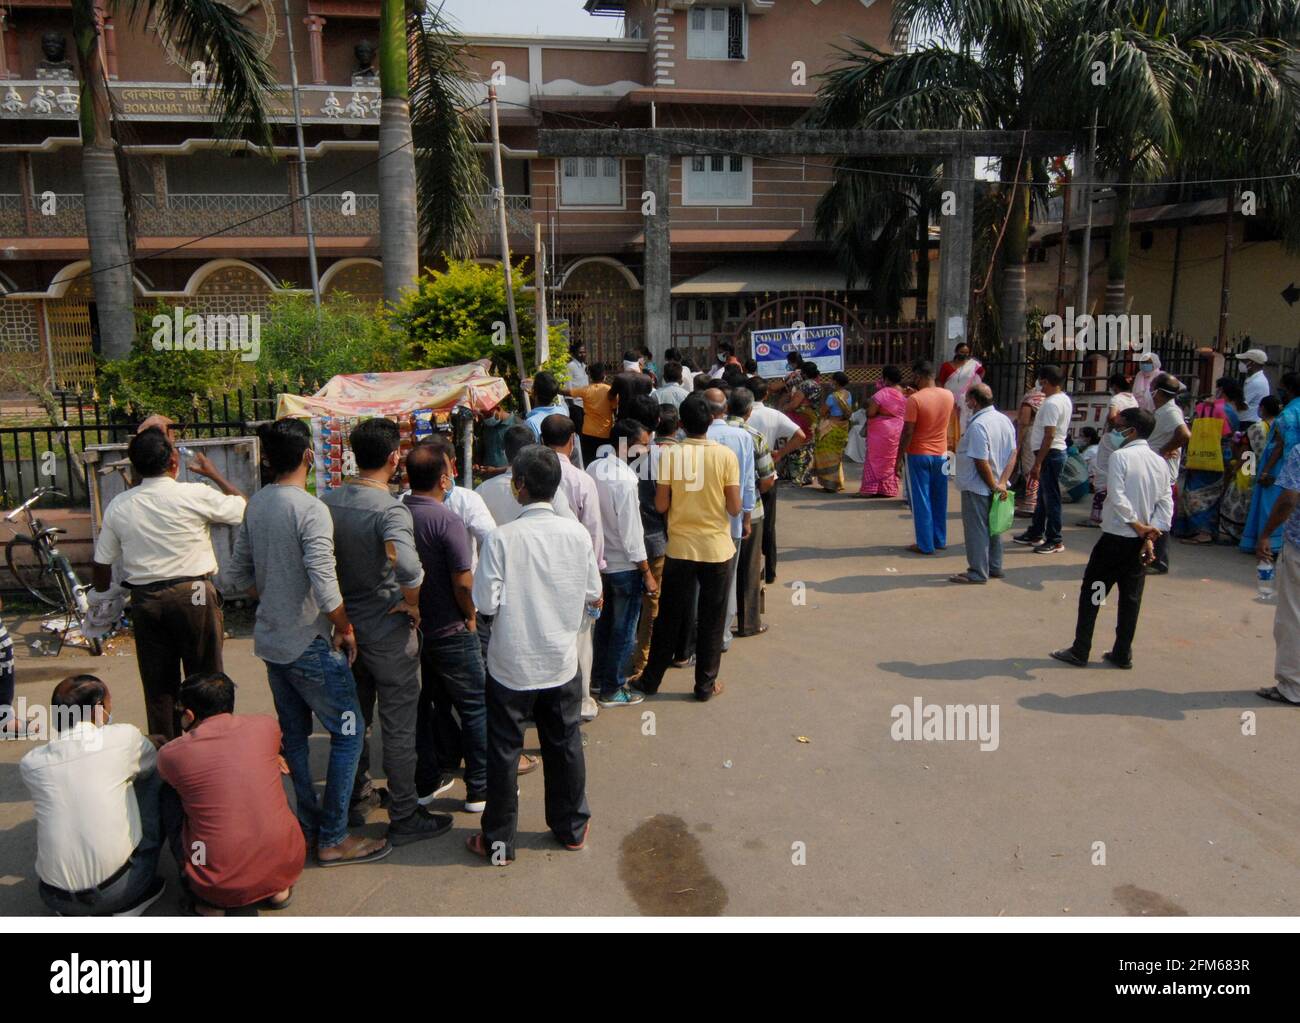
[{"x": 723, "y": 809}]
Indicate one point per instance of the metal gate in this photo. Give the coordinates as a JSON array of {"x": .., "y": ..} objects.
[{"x": 69, "y": 333}]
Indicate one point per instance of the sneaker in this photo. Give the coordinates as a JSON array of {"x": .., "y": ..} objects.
[
  {"x": 1050, "y": 547},
  {"x": 1028, "y": 539},
  {"x": 476, "y": 802},
  {"x": 589, "y": 709},
  {"x": 623, "y": 697},
  {"x": 152, "y": 895},
  {"x": 418, "y": 826},
  {"x": 444, "y": 783}
]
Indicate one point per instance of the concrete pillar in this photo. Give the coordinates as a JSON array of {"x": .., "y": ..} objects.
[
  {"x": 956, "y": 223},
  {"x": 315, "y": 24},
  {"x": 657, "y": 292}
]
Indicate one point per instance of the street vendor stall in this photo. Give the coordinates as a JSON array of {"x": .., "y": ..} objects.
[{"x": 421, "y": 402}]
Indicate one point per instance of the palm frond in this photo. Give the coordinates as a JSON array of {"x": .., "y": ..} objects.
[
  {"x": 240, "y": 79},
  {"x": 449, "y": 176}
]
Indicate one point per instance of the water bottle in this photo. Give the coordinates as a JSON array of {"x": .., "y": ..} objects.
[{"x": 1264, "y": 570}]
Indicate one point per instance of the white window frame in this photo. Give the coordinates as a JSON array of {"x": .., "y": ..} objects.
[
  {"x": 586, "y": 202},
  {"x": 698, "y": 41},
  {"x": 694, "y": 195}
]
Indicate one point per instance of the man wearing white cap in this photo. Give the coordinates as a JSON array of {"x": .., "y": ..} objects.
[{"x": 1255, "y": 385}]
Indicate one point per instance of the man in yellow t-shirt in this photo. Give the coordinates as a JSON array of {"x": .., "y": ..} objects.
[
  {"x": 597, "y": 412},
  {"x": 698, "y": 489}
]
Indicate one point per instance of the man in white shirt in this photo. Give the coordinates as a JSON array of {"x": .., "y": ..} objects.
[
  {"x": 1168, "y": 438},
  {"x": 985, "y": 458},
  {"x": 159, "y": 532},
  {"x": 1255, "y": 385},
  {"x": 95, "y": 790},
  {"x": 742, "y": 445},
  {"x": 538, "y": 576},
  {"x": 498, "y": 497},
  {"x": 688, "y": 376},
  {"x": 672, "y": 392},
  {"x": 577, "y": 370},
  {"x": 627, "y": 574},
  {"x": 1139, "y": 508},
  {"x": 783, "y": 435},
  {"x": 1120, "y": 399},
  {"x": 1047, "y": 441}
]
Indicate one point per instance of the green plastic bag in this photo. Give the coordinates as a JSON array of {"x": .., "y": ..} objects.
[{"x": 1002, "y": 513}]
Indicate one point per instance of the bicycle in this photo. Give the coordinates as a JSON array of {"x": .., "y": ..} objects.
[{"x": 35, "y": 561}]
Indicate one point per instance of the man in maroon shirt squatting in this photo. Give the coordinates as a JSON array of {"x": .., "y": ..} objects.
[{"x": 234, "y": 837}]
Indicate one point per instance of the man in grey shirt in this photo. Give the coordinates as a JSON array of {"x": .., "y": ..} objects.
[
  {"x": 284, "y": 555},
  {"x": 380, "y": 573}
]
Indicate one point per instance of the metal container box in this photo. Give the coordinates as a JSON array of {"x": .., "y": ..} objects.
[{"x": 236, "y": 458}]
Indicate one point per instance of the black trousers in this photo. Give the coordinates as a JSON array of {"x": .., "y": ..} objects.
[
  {"x": 769, "y": 536},
  {"x": 557, "y": 714},
  {"x": 680, "y": 579},
  {"x": 590, "y": 446},
  {"x": 749, "y": 584},
  {"x": 1115, "y": 561},
  {"x": 178, "y": 631}
]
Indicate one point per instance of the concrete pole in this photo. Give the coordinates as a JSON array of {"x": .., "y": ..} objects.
[
  {"x": 657, "y": 292},
  {"x": 956, "y": 226}
]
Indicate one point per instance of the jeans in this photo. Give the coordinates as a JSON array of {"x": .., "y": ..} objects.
[
  {"x": 1047, "y": 513},
  {"x": 645, "y": 623},
  {"x": 929, "y": 492},
  {"x": 983, "y": 550},
  {"x": 387, "y": 670},
  {"x": 131, "y": 885},
  {"x": 615, "y": 635},
  {"x": 682, "y": 580},
  {"x": 451, "y": 669},
  {"x": 557, "y": 713},
  {"x": 319, "y": 682},
  {"x": 1115, "y": 560}
]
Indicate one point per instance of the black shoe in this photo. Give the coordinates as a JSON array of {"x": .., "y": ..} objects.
[
  {"x": 152, "y": 894},
  {"x": 1028, "y": 539},
  {"x": 1050, "y": 547},
  {"x": 1109, "y": 656},
  {"x": 1069, "y": 657},
  {"x": 418, "y": 826},
  {"x": 443, "y": 784},
  {"x": 1156, "y": 570}
]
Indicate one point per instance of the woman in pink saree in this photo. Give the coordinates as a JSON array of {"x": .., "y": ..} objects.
[{"x": 883, "y": 428}]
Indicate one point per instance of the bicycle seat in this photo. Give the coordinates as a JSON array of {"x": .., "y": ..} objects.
[{"x": 51, "y": 531}]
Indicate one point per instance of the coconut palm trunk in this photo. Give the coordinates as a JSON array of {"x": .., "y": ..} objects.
[
  {"x": 106, "y": 236},
  {"x": 1117, "y": 262},
  {"x": 398, "y": 222},
  {"x": 1015, "y": 251}
]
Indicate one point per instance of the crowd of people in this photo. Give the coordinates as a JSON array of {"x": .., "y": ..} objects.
[{"x": 625, "y": 526}]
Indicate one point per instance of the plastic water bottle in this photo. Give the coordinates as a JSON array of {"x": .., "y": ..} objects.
[{"x": 1264, "y": 570}]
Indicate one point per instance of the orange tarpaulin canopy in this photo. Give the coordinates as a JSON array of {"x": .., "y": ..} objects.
[{"x": 389, "y": 394}]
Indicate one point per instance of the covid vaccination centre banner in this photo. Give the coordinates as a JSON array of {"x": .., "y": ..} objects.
[{"x": 821, "y": 345}]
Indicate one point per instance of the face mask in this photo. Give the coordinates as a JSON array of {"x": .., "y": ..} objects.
[
  {"x": 721, "y": 357},
  {"x": 451, "y": 483},
  {"x": 961, "y": 357},
  {"x": 1117, "y": 439}
]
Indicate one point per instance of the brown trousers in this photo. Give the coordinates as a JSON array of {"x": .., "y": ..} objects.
[
  {"x": 179, "y": 625},
  {"x": 645, "y": 625}
]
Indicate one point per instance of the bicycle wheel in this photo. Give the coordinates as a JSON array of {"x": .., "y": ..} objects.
[
  {"x": 74, "y": 602},
  {"x": 33, "y": 571}
]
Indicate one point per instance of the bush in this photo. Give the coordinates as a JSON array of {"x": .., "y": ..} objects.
[
  {"x": 170, "y": 382},
  {"x": 349, "y": 337},
  {"x": 457, "y": 315}
]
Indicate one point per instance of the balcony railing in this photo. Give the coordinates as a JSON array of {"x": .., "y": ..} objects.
[{"x": 62, "y": 215}]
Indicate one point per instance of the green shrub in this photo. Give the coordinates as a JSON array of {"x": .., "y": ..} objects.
[
  {"x": 348, "y": 337},
  {"x": 458, "y": 315}
]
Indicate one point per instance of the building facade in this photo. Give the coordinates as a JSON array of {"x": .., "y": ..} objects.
[{"x": 220, "y": 227}]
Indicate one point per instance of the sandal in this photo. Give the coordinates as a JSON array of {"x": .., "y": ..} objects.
[
  {"x": 270, "y": 903},
  {"x": 962, "y": 577},
  {"x": 477, "y": 844},
  {"x": 1275, "y": 695},
  {"x": 531, "y": 761}
]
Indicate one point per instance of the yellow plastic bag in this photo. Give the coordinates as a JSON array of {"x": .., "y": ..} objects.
[{"x": 1205, "y": 449}]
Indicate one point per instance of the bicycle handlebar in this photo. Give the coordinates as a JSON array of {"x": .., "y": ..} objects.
[{"x": 37, "y": 494}]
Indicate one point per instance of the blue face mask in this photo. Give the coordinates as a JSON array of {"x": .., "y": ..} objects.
[{"x": 1117, "y": 439}]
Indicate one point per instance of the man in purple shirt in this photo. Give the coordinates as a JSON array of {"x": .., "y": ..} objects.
[{"x": 451, "y": 663}]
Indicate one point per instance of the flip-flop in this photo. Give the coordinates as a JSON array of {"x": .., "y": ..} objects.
[
  {"x": 477, "y": 845},
  {"x": 1275, "y": 695},
  {"x": 371, "y": 857},
  {"x": 962, "y": 577}
]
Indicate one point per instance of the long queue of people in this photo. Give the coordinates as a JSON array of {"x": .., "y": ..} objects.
[{"x": 452, "y": 618}]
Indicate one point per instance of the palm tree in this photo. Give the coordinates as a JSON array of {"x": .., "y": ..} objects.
[
  {"x": 1199, "y": 89},
  {"x": 978, "y": 70},
  {"x": 429, "y": 172},
  {"x": 241, "y": 83}
]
